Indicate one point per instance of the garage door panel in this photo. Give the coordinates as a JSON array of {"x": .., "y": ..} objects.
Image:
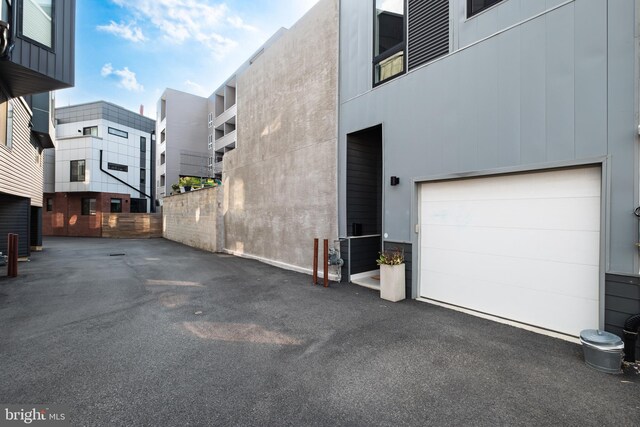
[
  {"x": 553, "y": 278},
  {"x": 559, "y": 246},
  {"x": 554, "y": 184},
  {"x": 561, "y": 313},
  {"x": 520, "y": 213},
  {"x": 524, "y": 247}
]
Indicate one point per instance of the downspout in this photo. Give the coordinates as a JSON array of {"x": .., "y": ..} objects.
[
  {"x": 119, "y": 180},
  {"x": 630, "y": 331}
]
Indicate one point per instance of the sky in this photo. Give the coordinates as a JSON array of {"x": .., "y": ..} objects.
[{"x": 129, "y": 51}]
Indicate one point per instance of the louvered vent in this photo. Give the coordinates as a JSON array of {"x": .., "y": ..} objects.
[{"x": 428, "y": 30}]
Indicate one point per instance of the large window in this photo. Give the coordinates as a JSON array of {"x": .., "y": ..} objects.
[
  {"x": 475, "y": 6},
  {"x": 88, "y": 206},
  {"x": 77, "y": 170},
  {"x": 143, "y": 144},
  {"x": 118, "y": 132},
  {"x": 388, "y": 40}
]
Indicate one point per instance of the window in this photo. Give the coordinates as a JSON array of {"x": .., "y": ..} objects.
[
  {"x": 163, "y": 136},
  {"x": 211, "y": 161},
  {"x": 138, "y": 205},
  {"x": 116, "y": 205},
  {"x": 90, "y": 131},
  {"x": 5, "y": 8},
  {"x": 143, "y": 177},
  {"x": 143, "y": 144},
  {"x": 163, "y": 158},
  {"x": 210, "y": 120},
  {"x": 388, "y": 40},
  {"x": 49, "y": 204},
  {"x": 118, "y": 132},
  {"x": 118, "y": 167},
  {"x": 6, "y": 132},
  {"x": 476, "y": 6},
  {"x": 77, "y": 170},
  {"x": 88, "y": 206},
  {"x": 210, "y": 145},
  {"x": 37, "y": 22},
  {"x": 162, "y": 180}
]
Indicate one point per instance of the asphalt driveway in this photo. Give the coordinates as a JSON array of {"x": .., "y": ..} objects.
[{"x": 150, "y": 332}]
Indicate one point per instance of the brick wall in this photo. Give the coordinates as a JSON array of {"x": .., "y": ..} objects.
[
  {"x": 66, "y": 219},
  {"x": 195, "y": 219}
]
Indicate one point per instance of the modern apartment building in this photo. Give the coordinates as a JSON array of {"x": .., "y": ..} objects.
[
  {"x": 495, "y": 141},
  {"x": 222, "y": 112},
  {"x": 181, "y": 141},
  {"x": 103, "y": 162},
  {"x": 37, "y": 55}
]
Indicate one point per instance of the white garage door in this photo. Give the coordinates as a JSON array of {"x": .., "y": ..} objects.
[{"x": 524, "y": 247}]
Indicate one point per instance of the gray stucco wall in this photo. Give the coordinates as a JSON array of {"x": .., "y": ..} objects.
[
  {"x": 280, "y": 183},
  {"x": 531, "y": 84}
]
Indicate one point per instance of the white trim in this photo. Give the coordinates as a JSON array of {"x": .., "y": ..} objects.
[
  {"x": 575, "y": 340},
  {"x": 280, "y": 264}
]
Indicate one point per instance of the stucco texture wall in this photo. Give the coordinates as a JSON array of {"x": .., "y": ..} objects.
[
  {"x": 194, "y": 218},
  {"x": 280, "y": 183}
]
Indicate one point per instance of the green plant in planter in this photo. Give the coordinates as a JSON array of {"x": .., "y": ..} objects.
[
  {"x": 189, "y": 181},
  {"x": 175, "y": 187},
  {"x": 393, "y": 256}
]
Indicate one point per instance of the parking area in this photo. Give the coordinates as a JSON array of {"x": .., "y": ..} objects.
[{"x": 151, "y": 332}]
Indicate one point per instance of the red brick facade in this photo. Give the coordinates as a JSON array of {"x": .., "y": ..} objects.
[{"x": 66, "y": 219}]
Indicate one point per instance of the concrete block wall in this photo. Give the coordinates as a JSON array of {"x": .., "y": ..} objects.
[
  {"x": 281, "y": 180},
  {"x": 194, "y": 219}
]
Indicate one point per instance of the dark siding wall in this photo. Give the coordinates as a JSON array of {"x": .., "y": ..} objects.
[
  {"x": 622, "y": 300},
  {"x": 364, "y": 181},
  {"x": 364, "y": 253},
  {"x": 42, "y": 67},
  {"x": 408, "y": 263},
  {"x": 14, "y": 218}
]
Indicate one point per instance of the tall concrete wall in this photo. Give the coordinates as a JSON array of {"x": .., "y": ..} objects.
[
  {"x": 280, "y": 183},
  {"x": 194, "y": 218}
]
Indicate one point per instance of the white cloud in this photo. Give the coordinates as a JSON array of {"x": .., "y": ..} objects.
[
  {"x": 196, "y": 88},
  {"x": 237, "y": 22},
  {"x": 126, "y": 31},
  {"x": 126, "y": 78},
  {"x": 182, "y": 20}
]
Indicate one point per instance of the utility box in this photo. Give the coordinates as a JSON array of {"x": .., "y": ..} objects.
[{"x": 603, "y": 351}]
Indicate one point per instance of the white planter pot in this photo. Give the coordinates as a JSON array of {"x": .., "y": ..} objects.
[{"x": 392, "y": 286}]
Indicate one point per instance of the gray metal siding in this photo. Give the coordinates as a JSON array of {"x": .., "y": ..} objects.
[
  {"x": 428, "y": 29},
  {"x": 14, "y": 218},
  {"x": 556, "y": 87},
  {"x": 106, "y": 111},
  {"x": 622, "y": 300}
]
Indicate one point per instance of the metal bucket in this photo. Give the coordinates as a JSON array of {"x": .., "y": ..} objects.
[{"x": 603, "y": 351}]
